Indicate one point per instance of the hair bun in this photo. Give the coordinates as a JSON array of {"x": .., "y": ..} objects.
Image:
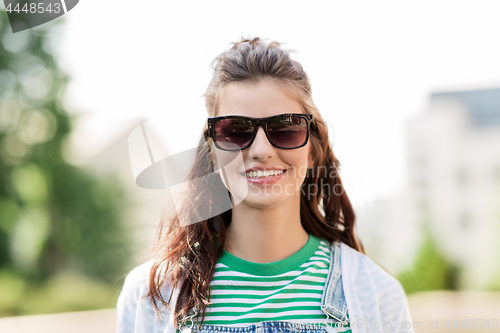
[{"x": 253, "y": 42}]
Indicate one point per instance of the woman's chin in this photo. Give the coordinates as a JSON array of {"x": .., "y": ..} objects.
[{"x": 262, "y": 201}]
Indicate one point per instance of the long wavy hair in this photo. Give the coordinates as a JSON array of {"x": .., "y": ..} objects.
[{"x": 184, "y": 256}]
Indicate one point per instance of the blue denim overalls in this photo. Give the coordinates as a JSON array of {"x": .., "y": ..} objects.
[{"x": 333, "y": 305}]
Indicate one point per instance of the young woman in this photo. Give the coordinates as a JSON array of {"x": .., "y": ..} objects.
[{"x": 284, "y": 257}]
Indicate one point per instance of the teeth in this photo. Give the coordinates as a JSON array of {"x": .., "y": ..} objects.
[{"x": 266, "y": 173}]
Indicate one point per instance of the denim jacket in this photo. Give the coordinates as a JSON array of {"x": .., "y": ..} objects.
[{"x": 375, "y": 301}]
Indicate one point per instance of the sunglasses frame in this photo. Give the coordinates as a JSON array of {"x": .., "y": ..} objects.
[{"x": 258, "y": 122}]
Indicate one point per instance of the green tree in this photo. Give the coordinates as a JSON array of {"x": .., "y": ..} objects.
[
  {"x": 53, "y": 216},
  {"x": 431, "y": 269}
]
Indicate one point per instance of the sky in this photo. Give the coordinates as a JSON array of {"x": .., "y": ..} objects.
[{"x": 372, "y": 66}]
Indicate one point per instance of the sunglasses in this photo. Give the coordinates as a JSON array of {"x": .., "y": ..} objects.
[{"x": 284, "y": 131}]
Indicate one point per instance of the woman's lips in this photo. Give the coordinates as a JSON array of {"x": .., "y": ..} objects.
[{"x": 264, "y": 180}]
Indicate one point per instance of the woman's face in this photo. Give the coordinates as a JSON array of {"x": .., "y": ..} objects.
[{"x": 262, "y": 99}]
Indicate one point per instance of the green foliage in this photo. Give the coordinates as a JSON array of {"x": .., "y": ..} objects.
[
  {"x": 431, "y": 270},
  {"x": 54, "y": 217},
  {"x": 63, "y": 292},
  {"x": 494, "y": 283}
]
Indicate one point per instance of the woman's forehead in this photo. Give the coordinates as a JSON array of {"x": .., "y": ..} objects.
[{"x": 257, "y": 99}]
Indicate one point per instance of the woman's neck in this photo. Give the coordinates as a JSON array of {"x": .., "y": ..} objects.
[{"x": 265, "y": 235}]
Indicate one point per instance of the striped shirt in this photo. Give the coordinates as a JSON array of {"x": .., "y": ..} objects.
[{"x": 244, "y": 293}]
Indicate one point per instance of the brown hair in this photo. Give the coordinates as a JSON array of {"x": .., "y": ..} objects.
[{"x": 185, "y": 256}]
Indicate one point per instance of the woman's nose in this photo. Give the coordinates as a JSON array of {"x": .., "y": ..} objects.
[{"x": 261, "y": 148}]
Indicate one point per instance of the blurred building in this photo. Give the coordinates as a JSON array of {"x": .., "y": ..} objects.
[
  {"x": 453, "y": 186},
  {"x": 454, "y": 179}
]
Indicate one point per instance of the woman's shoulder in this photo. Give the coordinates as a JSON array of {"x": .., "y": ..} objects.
[
  {"x": 134, "y": 308},
  {"x": 135, "y": 286},
  {"x": 360, "y": 266},
  {"x": 137, "y": 280},
  {"x": 362, "y": 275},
  {"x": 140, "y": 272},
  {"x": 367, "y": 287},
  {"x": 357, "y": 260}
]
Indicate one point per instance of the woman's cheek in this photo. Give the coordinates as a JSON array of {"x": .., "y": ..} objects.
[{"x": 228, "y": 163}]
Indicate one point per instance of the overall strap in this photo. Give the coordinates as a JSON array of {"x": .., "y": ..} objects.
[{"x": 333, "y": 302}]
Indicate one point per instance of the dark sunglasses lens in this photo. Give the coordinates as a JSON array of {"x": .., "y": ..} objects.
[
  {"x": 287, "y": 131},
  {"x": 233, "y": 133}
]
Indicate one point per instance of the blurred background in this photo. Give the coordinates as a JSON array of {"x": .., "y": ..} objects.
[{"x": 411, "y": 93}]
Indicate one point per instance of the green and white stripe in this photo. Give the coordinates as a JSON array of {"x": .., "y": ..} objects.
[{"x": 244, "y": 293}]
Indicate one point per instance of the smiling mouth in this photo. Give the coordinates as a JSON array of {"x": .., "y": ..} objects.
[{"x": 263, "y": 173}]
